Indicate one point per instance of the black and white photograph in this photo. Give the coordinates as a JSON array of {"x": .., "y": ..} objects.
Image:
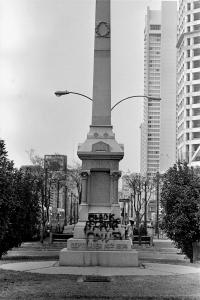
[{"x": 100, "y": 149}]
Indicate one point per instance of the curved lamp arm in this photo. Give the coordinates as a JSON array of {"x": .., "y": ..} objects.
[
  {"x": 137, "y": 96},
  {"x": 61, "y": 93}
]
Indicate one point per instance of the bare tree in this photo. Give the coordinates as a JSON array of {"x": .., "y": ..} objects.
[
  {"x": 141, "y": 190},
  {"x": 35, "y": 158},
  {"x": 74, "y": 179}
]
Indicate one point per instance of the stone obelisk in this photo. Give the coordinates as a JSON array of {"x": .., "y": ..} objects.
[
  {"x": 98, "y": 236},
  {"x": 100, "y": 154}
]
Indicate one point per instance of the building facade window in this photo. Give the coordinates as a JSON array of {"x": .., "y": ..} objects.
[
  {"x": 196, "y": 64},
  {"x": 196, "y": 76},
  {"x": 196, "y": 27},
  {"x": 196, "y": 123},
  {"x": 196, "y": 40},
  {"x": 196, "y": 16},
  {"x": 196, "y": 135},
  {"x": 196, "y": 111},
  {"x": 196, "y": 87},
  {"x": 155, "y": 27},
  {"x": 196, "y": 99},
  {"x": 196, "y": 4},
  {"x": 196, "y": 52}
]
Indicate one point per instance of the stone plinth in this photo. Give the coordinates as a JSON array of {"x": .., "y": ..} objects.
[
  {"x": 113, "y": 253},
  {"x": 98, "y": 258},
  {"x": 111, "y": 245}
]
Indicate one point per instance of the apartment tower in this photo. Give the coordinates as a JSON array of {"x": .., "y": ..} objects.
[
  {"x": 188, "y": 82},
  {"x": 158, "y": 130}
]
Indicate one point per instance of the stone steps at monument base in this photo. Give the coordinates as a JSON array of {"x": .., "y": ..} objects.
[{"x": 47, "y": 247}]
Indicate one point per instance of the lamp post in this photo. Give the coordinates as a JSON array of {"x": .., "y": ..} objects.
[
  {"x": 157, "y": 202},
  {"x": 149, "y": 98},
  {"x": 66, "y": 92},
  {"x": 65, "y": 204},
  {"x": 135, "y": 96},
  {"x": 61, "y": 93}
]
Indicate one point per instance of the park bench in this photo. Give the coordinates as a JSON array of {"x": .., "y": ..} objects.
[
  {"x": 59, "y": 237},
  {"x": 142, "y": 240}
]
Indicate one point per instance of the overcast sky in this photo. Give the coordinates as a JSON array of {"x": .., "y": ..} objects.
[{"x": 47, "y": 45}]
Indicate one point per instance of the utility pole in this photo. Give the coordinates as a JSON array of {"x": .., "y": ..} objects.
[
  {"x": 58, "y": 190},
  {"x": 145, "y": 204},
  {"x": 157, "y": 202},
  {"x": 65, "y": 204},
  {"x": 74, "y": 208},
  {"x": 71, "y": 209},
  {"x": 45, "y": 189},
  {"x": 131, "y": 205},
  {"x": 77, "y": 209}
]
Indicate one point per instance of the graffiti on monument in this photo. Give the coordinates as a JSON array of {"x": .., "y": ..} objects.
[{"x": 103, "y": 227}]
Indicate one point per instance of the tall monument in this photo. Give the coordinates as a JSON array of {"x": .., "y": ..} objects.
[{"x": 99, "y": 238}]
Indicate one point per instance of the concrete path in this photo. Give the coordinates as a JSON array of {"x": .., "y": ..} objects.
[
  {"x": 146, "y": 269},
  {"x": 162, "y": 251}
]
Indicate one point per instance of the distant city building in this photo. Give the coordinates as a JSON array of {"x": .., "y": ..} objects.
[
  {"x": 31, "y": 169},
  {"x": 158, "y": 130},
  {"x": 125, "y": 199},
  {"x": 55, "y": 171},
  {"x": 188, "y": 82}
]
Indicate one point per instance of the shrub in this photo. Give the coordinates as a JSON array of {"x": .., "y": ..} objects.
[{"x": 180, "y": 201}]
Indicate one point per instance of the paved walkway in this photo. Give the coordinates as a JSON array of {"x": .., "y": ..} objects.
[
  {"x": 146, "y": 269},
  {"x": 162, "y": 251},
  {"x": 161, "y": 259}
]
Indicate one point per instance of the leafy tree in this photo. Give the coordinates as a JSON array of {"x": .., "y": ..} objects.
[
  {"x": 26, "y": 210},
  {"x": 19, "y": 205},
  {"x": 180, "y": 201},
  {"x": 6, "y": 196}
]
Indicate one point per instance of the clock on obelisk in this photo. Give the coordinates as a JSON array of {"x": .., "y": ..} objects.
[{"x": 99, "y": 238}]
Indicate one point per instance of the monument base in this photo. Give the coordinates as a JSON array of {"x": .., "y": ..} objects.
[
  {"x": 111, "y": 253},
  {"x": 98, "y": 258}
]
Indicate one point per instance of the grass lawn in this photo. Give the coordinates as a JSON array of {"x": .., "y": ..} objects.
[{"x": 22, "y": 285}]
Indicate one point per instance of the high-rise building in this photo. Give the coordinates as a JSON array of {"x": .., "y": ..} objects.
[
  {"x": 158, "y": 130},
  {"x": 188, "y": 82}
]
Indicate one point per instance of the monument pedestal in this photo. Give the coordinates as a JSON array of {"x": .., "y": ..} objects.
[
  {"x": 98, "y": 258},
  {"x": 113, "y": 253}
]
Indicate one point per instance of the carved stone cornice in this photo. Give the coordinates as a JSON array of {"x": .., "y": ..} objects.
[
  {"x": 85, "y": 173},
  {"x": 115, "y": 174}
]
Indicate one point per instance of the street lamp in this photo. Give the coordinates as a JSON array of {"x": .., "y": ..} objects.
[
  {"x": 61, "y": 93},
  {"x": 135, "y": 96}
]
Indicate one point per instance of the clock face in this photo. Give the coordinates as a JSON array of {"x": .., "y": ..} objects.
[{"x": 103, "y": 29}]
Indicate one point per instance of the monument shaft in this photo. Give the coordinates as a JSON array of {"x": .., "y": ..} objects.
[{"x": 101, "y": 110}]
